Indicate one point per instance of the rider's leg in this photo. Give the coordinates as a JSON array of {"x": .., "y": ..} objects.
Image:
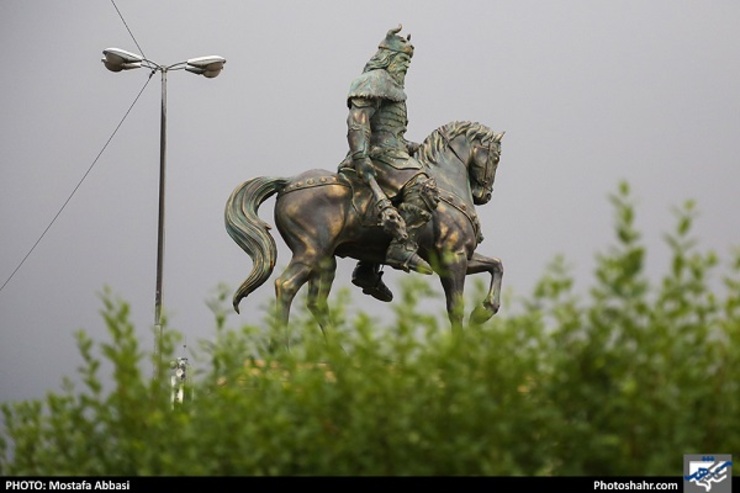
[{"x": 420, "y": 198}]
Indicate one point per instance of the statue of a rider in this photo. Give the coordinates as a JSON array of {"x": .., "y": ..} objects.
[{"x": 404, "y": 194}]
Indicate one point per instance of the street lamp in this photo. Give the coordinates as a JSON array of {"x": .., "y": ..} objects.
[{"x": 116, "y": 60}]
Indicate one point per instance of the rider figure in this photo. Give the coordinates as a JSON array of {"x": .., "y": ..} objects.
[{"x": 405, "y": 195}]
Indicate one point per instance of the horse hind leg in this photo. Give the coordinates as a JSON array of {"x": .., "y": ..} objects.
[
  {"x": 286, "y": 286},
  {"x": 319, "y": 287}
]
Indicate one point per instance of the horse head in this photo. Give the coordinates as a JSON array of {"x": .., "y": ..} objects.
[
  {"x": 484, "y": 158},
  {"x": 464, "y": 147}
]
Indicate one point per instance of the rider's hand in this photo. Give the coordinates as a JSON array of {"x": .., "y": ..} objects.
[
  {"x": 412, "y": 147},
  {"x": 364, "y": 167}
]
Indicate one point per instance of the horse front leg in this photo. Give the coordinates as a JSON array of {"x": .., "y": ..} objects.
[
  {"x": 492, "y": 302},
  {"x": 452, "y": 275}
]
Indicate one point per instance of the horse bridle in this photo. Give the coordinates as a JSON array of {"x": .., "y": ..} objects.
[{"x": 489, "y": 169}]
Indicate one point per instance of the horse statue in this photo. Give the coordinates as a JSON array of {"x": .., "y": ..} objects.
[{"x": 323, "y": 215}]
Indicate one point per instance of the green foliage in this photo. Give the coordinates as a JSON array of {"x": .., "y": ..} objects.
[
  {"x": 642, "y": 375},
  {"x": 624, "y": 380}
]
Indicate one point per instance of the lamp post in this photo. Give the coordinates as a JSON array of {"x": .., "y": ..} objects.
[{"x": 116, "y": 60}]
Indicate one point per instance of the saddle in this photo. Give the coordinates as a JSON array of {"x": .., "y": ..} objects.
[
  {"x": 363, "y": 200},
  {"x": 361, "y": 196}
]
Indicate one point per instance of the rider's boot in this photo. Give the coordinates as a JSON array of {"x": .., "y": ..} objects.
[{"x": 367, "y": 275}]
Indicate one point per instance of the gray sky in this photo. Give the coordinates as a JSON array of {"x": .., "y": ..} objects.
[{"x": 589, "y": 93}]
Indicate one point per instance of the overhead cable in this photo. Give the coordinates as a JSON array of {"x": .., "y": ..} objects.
[{"x": 59, "y": 212}]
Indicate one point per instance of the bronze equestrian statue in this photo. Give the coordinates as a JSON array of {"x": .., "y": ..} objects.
[{"x": 392, "y": 202}]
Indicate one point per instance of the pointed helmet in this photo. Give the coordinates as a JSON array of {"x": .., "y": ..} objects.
[{"x": 396, "y": 43}]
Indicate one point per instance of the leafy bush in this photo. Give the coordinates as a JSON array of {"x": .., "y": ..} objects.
[
  {"x": 642, "y": 374},
  {"x": 624, "y": 381}
]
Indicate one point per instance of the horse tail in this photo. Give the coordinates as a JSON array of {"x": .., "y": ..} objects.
[{"x": 250, "y": 232}]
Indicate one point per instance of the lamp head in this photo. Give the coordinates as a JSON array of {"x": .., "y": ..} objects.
[
  {"x": 117, "y": 59},
  {"x": 207, "y": 66}
]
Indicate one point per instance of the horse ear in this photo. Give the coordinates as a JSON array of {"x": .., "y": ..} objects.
[{"x": 499, "y": 136}]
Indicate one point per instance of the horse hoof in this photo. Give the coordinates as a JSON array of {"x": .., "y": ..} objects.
[{"x": 480, "y": 315}]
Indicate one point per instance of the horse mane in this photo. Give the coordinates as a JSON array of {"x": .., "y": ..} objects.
[{"x": 435, "y": 143}]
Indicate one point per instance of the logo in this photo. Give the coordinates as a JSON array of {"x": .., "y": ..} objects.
[{"x": 707, "y": 473}]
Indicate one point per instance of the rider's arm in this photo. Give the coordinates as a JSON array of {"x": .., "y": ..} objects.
[{"x": 358, "y": 135}]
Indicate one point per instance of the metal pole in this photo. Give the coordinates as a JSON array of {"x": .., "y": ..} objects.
[{"x": 160, "y": 227}]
